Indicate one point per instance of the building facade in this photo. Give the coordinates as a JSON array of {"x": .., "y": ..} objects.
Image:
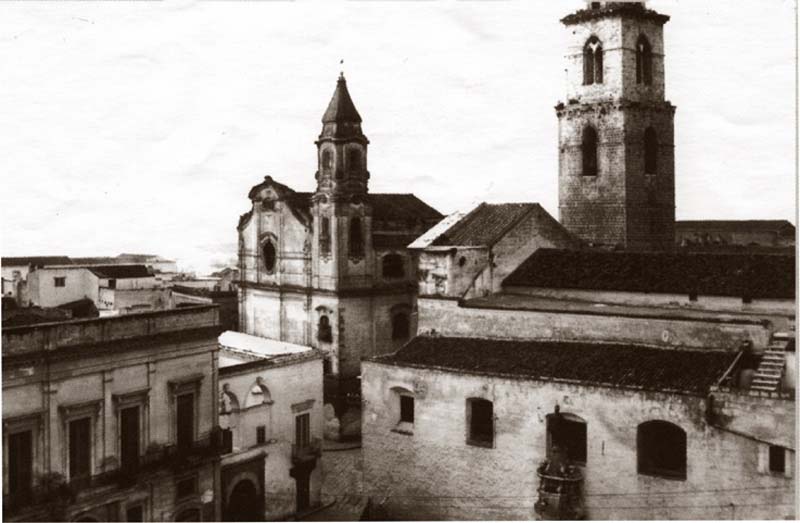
[
  {"x": 112, "y": 419},
  {"x": 469, "y": 428},
  {"x": 271, "y": 411}
]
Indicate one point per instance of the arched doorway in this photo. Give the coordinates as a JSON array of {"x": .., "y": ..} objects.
[{"x": 244, "y": 503}]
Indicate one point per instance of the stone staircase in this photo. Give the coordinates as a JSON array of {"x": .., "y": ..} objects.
[{"x": 770, "y": 371}]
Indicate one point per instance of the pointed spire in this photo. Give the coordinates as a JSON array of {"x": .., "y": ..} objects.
[{"x": 341, "y": 108}]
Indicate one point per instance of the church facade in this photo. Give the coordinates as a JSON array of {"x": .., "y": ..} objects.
[{"x": 330, "y": 268}]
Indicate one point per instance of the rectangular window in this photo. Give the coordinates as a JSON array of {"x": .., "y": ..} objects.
[
  {"x": 261, "y": 434},
  {"x": 481, "y": 422},
  {"x": 60, "y": 281},
  {"x": 129, "y": 438},
  {"x": 134, "y": 513},
  {"x": 112, "y": 284},
  {"x": 302, "y": 435},
  {"x": 186, "y": 487},
  {"x": 185, "y": 421},
  {"x": 407, "y": 409},
  {"x": 80, "y": 448},
  {"x": 20, "y": 462},
  {"x": 777, "y": 459}
]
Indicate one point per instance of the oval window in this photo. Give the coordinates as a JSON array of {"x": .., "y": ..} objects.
[{"x": 269, "y": 256}]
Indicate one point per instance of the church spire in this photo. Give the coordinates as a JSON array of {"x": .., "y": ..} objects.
[
  {"x": 341, "y": 108},
  {"x": 342, "y": 148}
]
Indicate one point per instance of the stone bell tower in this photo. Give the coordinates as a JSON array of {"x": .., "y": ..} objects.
[
  {"x": 342, "y": 216},
  {"x": 616, "y": 132}
]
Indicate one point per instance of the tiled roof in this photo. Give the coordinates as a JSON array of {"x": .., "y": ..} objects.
[
  {"x": 389, "y": 207},
  {"x": 485, "y": 224},
  {"x": 608, "y": 365},
  {"x": 709, "y": 274},
  {"x": 95, "y": 260},
  {"x": 36, "y": 261},
  {"x": 341, "y": 107},
  {"x": 386, "y": 207},
  {"x": 121, "y": 271},
  {"x": 734, "y": 225},
  {"x": 381, "y": 240}
]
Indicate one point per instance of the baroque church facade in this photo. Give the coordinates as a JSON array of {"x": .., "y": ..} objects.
[{"x": 330, "y": 268}]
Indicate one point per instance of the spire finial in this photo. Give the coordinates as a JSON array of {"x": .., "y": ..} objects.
[{"x": 341, "y": 73}]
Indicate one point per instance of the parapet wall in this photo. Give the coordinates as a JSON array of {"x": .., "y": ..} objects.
[{"x": 52, "y": 336}]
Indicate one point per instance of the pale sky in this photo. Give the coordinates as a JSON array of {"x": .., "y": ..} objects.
[{"x": 141, "y": 126}]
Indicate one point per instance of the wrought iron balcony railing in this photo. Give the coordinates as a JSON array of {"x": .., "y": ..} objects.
[{"x": 308, "y": 451}]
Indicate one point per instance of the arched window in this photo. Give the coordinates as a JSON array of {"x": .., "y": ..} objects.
[
  {"x": 268, "y": 250},
  {"x": 393, "y": 266},
  {"x": 354, "y": 159},
  {"x": 567, "y": 432},
  {"x": 650, "y": 151},
  {"x": 589, "y": 150},
  {"x": 480, "y": 422},
  {"x": 324, "y": 235},
  {"x": 327, "y": 160},
  {"x": 401, "y": 328},
  {"x": 593, "y": 61},
  {"x": 661, "y": 449},
  {"x": 356, "y": 240},
  {"x": 644, "y": 61},
  {"x": 324, "y": 332}
]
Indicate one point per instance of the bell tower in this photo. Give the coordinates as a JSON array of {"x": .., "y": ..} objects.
[
  {"x": 616, "y": 132},
  {"x": 342, "y": 216}
]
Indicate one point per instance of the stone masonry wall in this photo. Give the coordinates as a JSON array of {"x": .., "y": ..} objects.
[{"x": 434, "y": 474}]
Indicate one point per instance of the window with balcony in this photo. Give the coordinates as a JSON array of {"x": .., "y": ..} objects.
[
  {"x": 20, "y": 463},
  {"x": 130, "y": 435},
  {"x": 480, "y": 422},
  {"x": 184, "y": 420},
  {"x": 80, "y": 448},
  {"x": 661, "y": 450},
  {"x": 567, "y": 432},
  {"x": 302, "y": 435}
]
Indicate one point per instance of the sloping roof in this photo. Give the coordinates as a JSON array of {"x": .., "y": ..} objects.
[
  {"x": 388, "y": 207},
  {"x": 121, "y": 271},
  {"x": 484, "y": 225},
  {"x": 341, "y": 107},
  {"x": 258, "y": 346},
  {"x": 385, "y": 240},
  {"x": 434, "y": 232},
  {"x": 95, "y": 260},
  {"x": 608, "y": 365},
  {"x": 734, "y": 225},
  {"x": 710, "y": 274},
  {"x": 36, "y": 261}
]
